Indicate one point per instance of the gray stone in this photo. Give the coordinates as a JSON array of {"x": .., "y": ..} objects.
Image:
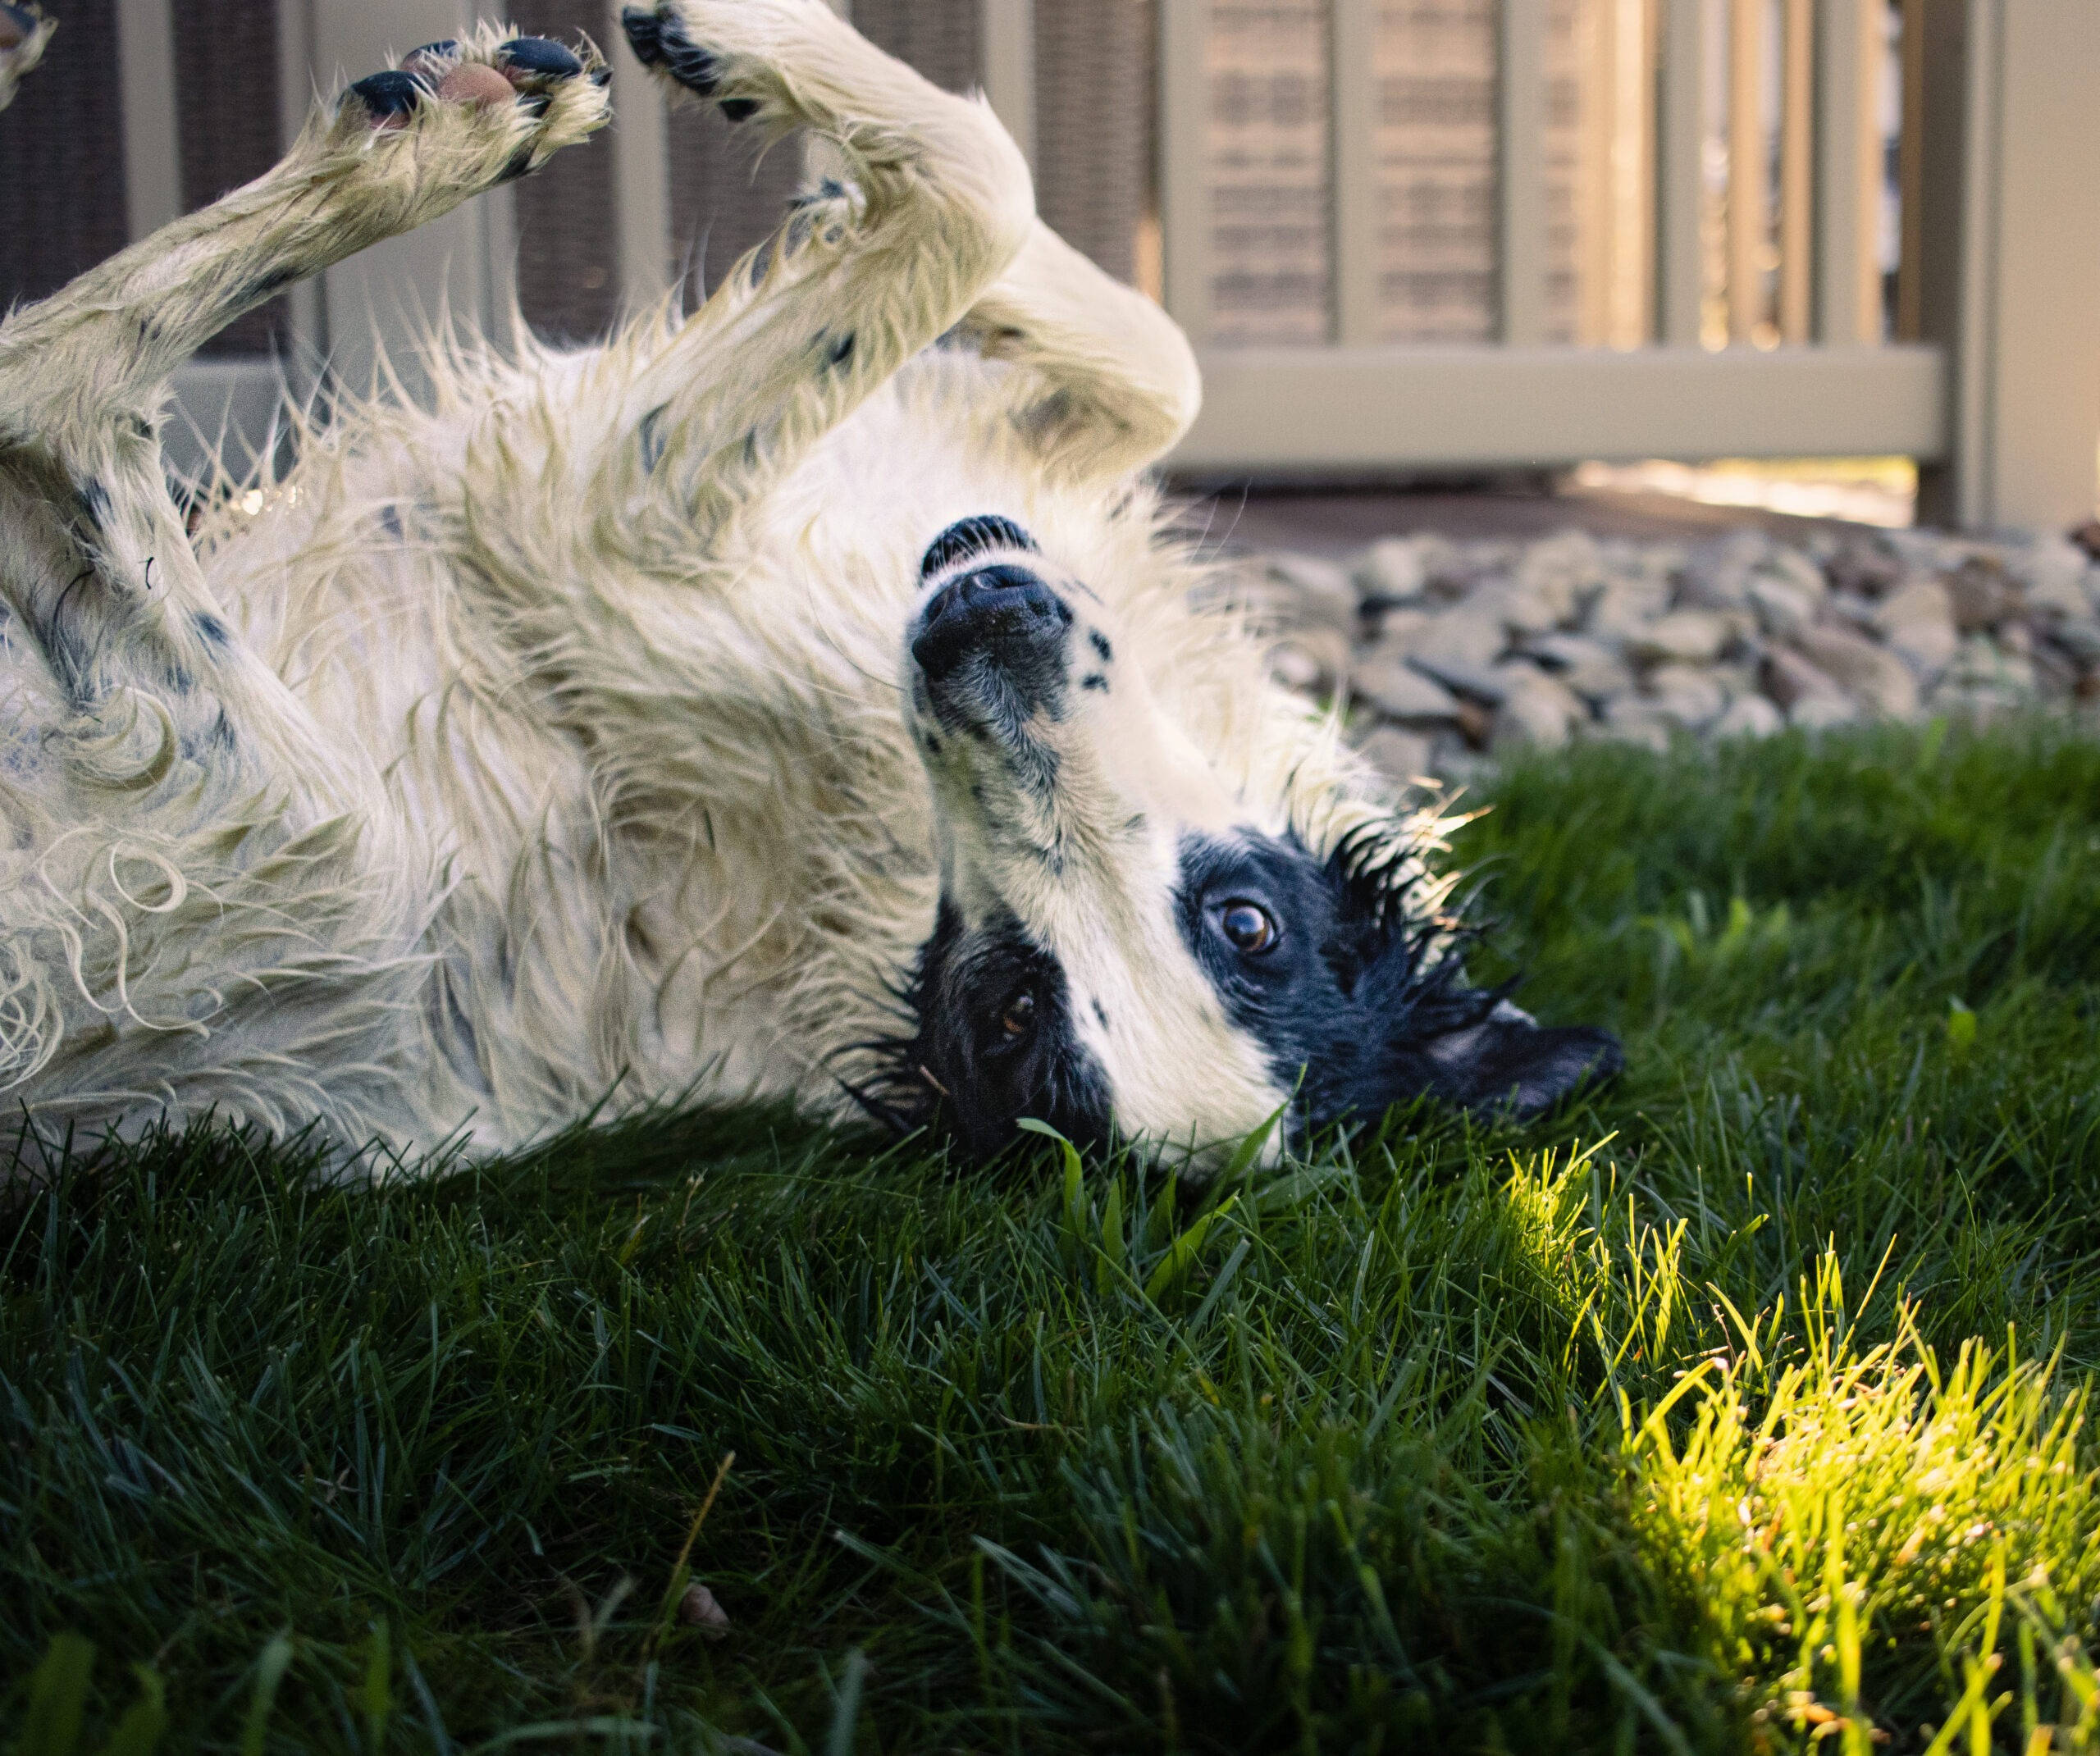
[
  {"x": 1716, "y": 575},
  {"x": 1781, "y": 607},
  {"x": 1402, "y": 757},
  {"x": 2052, "y": 578},
  {"x": 1790, "y": 679},
  {"x": 1401, "y": 692},
  {"x": 1565, "y": 572},
  {"x": 1592, "y": 669},
  {"x": 1391, "y": 570},
  {"x": 2079, "y": 635},
  {"x": 1625, "y": 607},
  {"x": 1315, "y": 590},
  {"x": 1685, "y": 695},
  {"x": 1459, "y": 637},
  {"x": 1519, "y": 609},
  {"x": 1916, "y": 621},
  {"x": 1872, "y": 675},
  {"x": 1536, "y": 711},
  {"x": 1980, "y": 593},
  {"x": 1795, "y": 569},
  {"x": 1748, "y": 716},
  {"x": 1313, "y": 657},
  {"x": 1693, "y": 636}
]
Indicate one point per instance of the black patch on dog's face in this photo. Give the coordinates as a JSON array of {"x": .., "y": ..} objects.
[
  {"x": 995, "y": 1042},
  {"x": 1320, "y": 962}
]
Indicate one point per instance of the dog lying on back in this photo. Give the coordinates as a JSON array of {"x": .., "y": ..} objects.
[{"x": 800, "y": 699}]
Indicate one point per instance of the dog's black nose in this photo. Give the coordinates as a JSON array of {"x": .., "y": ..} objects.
[{"x": 1002, "y": 611}]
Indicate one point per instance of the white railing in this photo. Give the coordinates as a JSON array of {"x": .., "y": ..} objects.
[{"x": 1733, "y": 311}]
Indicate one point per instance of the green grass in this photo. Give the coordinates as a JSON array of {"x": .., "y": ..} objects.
[{"x": 1740, "y": 1408}]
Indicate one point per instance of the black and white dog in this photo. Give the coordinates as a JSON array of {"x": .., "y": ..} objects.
[{"x": 796, "y": 699}]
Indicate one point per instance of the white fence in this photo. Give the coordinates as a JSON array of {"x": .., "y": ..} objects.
[{"x": 1672, "y": 236}]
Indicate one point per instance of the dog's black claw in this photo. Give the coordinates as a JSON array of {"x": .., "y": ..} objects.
[
  {"x": 740, "y": 109},
  {"x": 660, "y": 42},
  {"x": 539, "y": 57},
  {"x": 602, "y": 75},
  {"x": 445, "y": 48},
  {"x": 392, "y": 92}
]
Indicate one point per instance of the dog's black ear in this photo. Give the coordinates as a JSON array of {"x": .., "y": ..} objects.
[{"x": 1507, "y": 1063}]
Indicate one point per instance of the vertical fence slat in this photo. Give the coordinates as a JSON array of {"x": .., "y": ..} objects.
[
  {"x": 1006, "y": 41},
  {"x": 1185, "y": 208},
  {"x": 1354, "y": 120},
  {"x": 1749, "y": 199},
  {"x": 152, "y": 140},
  {"x": 1520, "y": 172},
  {"x": 1845, "y": 142},
  {"x": 1796, "y": 169},
  {"x": 642, "y": 180},
  {"x": 1680, "y": 173}
]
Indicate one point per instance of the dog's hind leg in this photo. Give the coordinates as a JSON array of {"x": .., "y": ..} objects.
[
  {"x": 1111, "y": 383},
  {"x": 858, "y": 281},
  {"x": 24, "y": 32},
  {"x": 95, "y": 563}
]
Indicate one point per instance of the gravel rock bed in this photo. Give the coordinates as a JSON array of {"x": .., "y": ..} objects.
[{"x": 1448, "y": 654}]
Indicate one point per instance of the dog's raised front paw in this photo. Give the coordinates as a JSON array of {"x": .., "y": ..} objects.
[
  {"x": 555, "y": 93},
  {"x": 727, "y": 54}
]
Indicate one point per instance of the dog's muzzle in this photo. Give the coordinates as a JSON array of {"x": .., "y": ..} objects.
[{"x": 997, "y": 626}]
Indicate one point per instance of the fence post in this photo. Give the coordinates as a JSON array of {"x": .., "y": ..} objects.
[
  {"x": 1520, "y": 173},
  {"x": 1680, "y": 173},
  {"x": 1184, "y": 205},
  {"x": 2010, "y": 257},
  {"x": 1006, "y": 36}
]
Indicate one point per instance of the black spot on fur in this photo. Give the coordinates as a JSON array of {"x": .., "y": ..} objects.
[
  {"x": 390, "y": 522},
  {"x": 540, "y": 57},
  {"x": 963, "y": 1071},
  {"x": 211, "y": 629},
  {"x": 652, "y": 438},
  {"x": 265, "y": 287},
  {"x": 1099, "y": 642},
  {"x": 1094, "y": 680},
  {"x": 840, "y": 351},
  {"x": 1100, "y": 1016},
  {"x": 222, "y": 733},
  {"x": 660, "y": 42},
  {"x": 392, "y": 92},
  {"x": 739, "y": 109},
  {"x": 91, "y": 499},
  {"x": 1358, "y": 1005},
  {"x": 518, "y": 163},
  {"x": 967, "y": 538},
  {"x": 178, "y": 679}
]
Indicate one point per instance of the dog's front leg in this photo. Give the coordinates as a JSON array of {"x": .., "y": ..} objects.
[
  {"x": 95, "y": 563},
  {"x": 1111, "y": 383},
  {"x": 862, "y": 277}
]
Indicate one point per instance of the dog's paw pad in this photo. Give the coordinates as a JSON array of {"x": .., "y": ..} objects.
[
  {"x": 659, "y": 40},
  {"x": 526, "y": 69},
  {"x": 389, "y": 99},
  {"x": 534, "y": 63}
]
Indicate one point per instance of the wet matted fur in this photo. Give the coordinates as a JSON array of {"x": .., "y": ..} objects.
[{"x": 799, "y": 698}]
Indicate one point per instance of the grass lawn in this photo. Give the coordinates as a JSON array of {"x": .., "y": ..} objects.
[{"x": 1740, "y": 1407}]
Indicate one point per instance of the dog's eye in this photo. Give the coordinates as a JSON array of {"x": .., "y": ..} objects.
[
  {"x": 1249, "y": 926},
  {"x": 1019, "y": 1018}
]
